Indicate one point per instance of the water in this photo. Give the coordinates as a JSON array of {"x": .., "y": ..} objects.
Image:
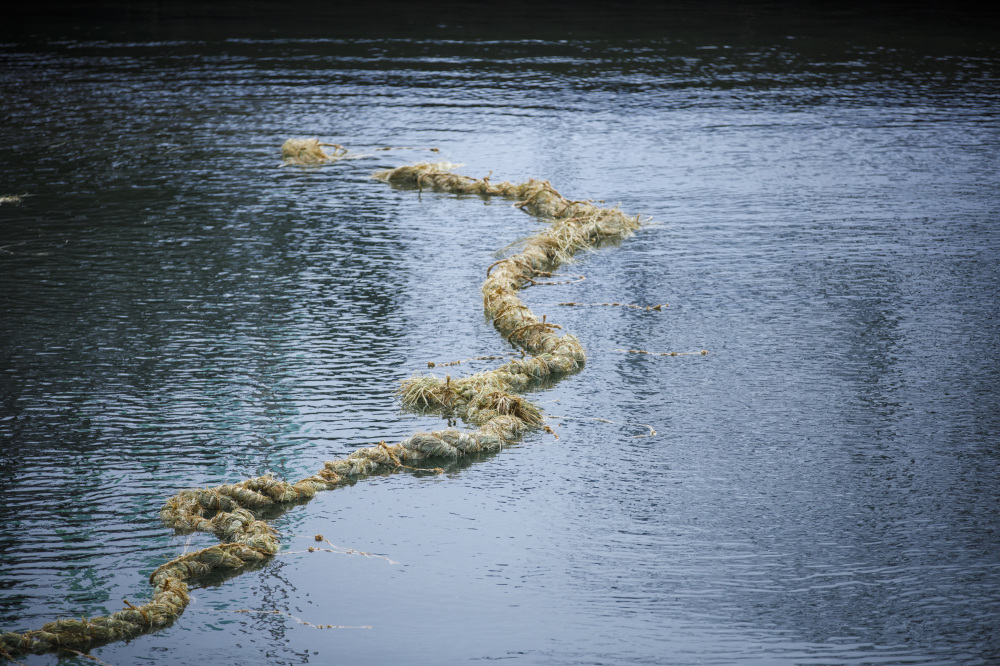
[{"x": 178, "y": 310}]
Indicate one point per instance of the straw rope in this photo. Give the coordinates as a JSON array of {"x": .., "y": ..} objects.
[
  {"x": 487, "y": 401},
  {"x": 308, "y": 152}
]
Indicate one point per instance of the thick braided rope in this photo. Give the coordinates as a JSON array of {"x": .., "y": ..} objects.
[{"x": 486, "y": 400}]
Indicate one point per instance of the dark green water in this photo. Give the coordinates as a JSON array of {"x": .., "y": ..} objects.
[{"x": 177, "y": 310}]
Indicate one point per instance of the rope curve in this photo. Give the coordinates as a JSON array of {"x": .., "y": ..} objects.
[{"x": 486, "y": 400}]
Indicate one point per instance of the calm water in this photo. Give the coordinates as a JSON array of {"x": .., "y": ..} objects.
[{"x": 178, "y": 310}]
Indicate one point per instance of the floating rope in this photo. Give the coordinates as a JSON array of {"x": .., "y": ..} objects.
[
  {"x": 310, "y": 152},
  {"x": 487, "y": 401}
]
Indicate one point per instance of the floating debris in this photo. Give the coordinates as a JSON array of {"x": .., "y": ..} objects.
[
  {"x": 433, "y": 150},
  {"x": 647, "y": 308},
  {"x": 432, "y": 364},
  {"x": 310, "y": 152},
  {"x": 703, "y": 352},
  {"x": 651, "y": 432},
  {"x": 339, "y": 550}
]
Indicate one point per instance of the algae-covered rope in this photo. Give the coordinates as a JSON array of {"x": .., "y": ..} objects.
[{"x": 487, "y": 401}]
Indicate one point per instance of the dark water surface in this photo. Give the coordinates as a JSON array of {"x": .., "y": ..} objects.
[{"x": 178, "y": 310}]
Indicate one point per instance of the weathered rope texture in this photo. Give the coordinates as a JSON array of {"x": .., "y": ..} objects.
[
  {"x": 310, "y": 152},
  {"x": 486, "y": 401}
]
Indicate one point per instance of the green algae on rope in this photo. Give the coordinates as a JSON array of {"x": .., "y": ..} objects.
[{"x": 487, "y": 401}]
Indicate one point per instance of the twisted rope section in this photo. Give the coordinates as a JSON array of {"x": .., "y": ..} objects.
[
  {"x": 574, "y": 226},
  {"x": 169, "y": 600},
  {"x": 246, "y": 539}
]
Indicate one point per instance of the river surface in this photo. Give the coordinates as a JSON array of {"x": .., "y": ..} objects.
[{"x": 178, "y": 310}]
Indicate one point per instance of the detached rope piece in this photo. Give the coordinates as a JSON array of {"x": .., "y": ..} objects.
[
  {"x": 310, "y": 152},
  {"x": 485, "y": 400}
]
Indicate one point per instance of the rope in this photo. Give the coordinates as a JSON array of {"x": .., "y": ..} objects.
[
  {"x": 310, "y": 152},
  {"x": 487, "y": 401}
]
